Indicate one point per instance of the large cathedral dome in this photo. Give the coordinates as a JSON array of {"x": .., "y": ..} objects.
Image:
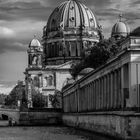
[
  {"x": 71, "y": 29},
  {"x": 71, "y": 14}
]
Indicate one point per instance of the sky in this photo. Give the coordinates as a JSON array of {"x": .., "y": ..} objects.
[{"x": 21, "y": 19}]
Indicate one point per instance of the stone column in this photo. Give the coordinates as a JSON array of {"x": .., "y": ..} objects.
[
  {"x": 29, "y": 92},
  {"x": 122, "y": 87},
  {"x": 111, "y": 91},
  {"x": 49, "y": 103}
]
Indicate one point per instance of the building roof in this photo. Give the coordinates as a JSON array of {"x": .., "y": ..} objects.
[
  {"x": 136, "y": 32},
  {"x": 85, "y": 71},
  {"x": 120, "y": 28},
  {"x": 34, "y": 43},
  {"x": 71, "y": 14}
]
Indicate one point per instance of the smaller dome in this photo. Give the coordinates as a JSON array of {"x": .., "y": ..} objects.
[
  {"x": 120, "y": 29},
  {"x": 86, "y": 71},
  {"x": 35, "y": 43},
  {"x": 135, "y": 32}
]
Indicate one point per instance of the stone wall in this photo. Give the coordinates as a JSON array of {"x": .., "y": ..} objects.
[
  {"x": 39, "y": 118},
  {"x": 114, "y": 124}
]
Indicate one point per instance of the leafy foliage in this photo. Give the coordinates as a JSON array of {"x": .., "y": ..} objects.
[
  {"x": 100, "y": 53},
  {"x": 56, "y": 99},
  {"x": 17, "y": 93},
  {"x": 2, "y": 99},
  {"x": 38, "y": 99}
]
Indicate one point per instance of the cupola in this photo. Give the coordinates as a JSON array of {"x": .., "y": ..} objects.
[{"x": 120, "y": 29}]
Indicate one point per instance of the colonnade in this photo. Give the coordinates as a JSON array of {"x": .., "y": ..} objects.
[{"x": 104, "y": 93}]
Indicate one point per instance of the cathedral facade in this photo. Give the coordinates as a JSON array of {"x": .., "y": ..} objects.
[{"x": 72, "y": 29}]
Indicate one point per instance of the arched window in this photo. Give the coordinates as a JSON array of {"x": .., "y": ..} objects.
[
  {"x": 53, "y": 50},
  {"x": 49, "y": 50},
  {"x": 67, "y": 53},
  {"x": 30, "y": 59},
  {"x": 78, "y": 48},
  {"x": 50, "y": 80},
  {"x": 36, "y": 81},
  {"x": 57, "y": 49},
  {"x": 73, "y": 48},
  {"x": 61, "y": 49}
]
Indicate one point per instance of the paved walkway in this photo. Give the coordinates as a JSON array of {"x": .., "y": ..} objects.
[{"x": 45, "y": 133}]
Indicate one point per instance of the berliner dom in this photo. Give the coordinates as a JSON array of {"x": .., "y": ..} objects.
[{"x": 72, "y": 29}]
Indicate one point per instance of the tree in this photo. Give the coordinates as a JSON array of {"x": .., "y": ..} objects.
[
  {"x": 56, "y": 99},
  {"x": 99, "y": 55},
  {"x": 17, "y": 93},
  {"x": 37, "y": 98},
  {"x": 2, "y": 98}
]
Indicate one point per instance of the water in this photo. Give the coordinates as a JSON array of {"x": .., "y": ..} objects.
[{"x": 45, "y": 133}]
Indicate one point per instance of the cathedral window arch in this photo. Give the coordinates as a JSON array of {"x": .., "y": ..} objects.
[
  {"x": 36, "y": 81},
  {"x": 61, "y": 49},
  {"x": 49, "y": 50},
  {"x": 72, "y": 19},
  {"x": 30, "y": 59},
  {"x": 53, "y": 50},
  {"x": 67, "y": 52},
  {"x": 57, "y": 49},
  {"x": 72, "y": 48},
  {"x": 72, "y": 7},
  {"x": 49, "y": 80},
  {"x": 53, "y": 24},
  {"x": 78, "y": 48}
]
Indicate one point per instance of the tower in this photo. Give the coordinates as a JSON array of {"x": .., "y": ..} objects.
[
  {"x": 35, "y": 54},
  {"x": 33, "y": 71}
]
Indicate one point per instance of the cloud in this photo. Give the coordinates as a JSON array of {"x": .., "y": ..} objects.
[
  {"x": 5, "y": 89},
  {"x": 6, "y": 32},
  {"x": 12, "y": 66},
  {"x": 17, "y": 35},
  {"x": 22, "y": 10},
  {"x": 12, "y": 46},
  {"x": 21, "y": 19}
]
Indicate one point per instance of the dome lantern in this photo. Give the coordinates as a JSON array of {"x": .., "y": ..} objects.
[
  {"x": 34, "y": 42},
  {"x": 120, "y": 29}
]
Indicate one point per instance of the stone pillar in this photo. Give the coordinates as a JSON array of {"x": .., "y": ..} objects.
[
  {"x": 115, "y": 89},
  {"x": 29, "y": 94},
  {"x": 40, "y": 80},
  {"x": 111, "y": 91},
  {"x": 107, "y": 91},
  {"x": 49, "y": 102},
  {"x": 122, "y": 87}
]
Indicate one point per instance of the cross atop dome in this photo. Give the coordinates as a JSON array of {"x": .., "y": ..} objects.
[
  {"x": 120, "y": 17},
  {"x": 34, "y": 35}
]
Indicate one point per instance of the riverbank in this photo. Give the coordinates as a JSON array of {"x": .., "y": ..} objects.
[{"x": 47, "y": 133}]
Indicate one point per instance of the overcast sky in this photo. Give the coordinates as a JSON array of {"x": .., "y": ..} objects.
[{"x": 21, "y": 19}]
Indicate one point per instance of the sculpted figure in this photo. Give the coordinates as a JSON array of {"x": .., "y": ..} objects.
[{"x": 34, "y": 60}]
